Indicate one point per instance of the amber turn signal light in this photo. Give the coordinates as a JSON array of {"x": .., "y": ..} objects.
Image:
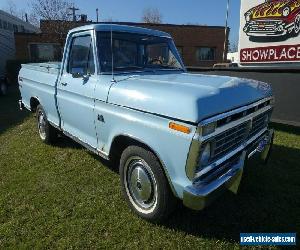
[{"x": 180, "y": 128}]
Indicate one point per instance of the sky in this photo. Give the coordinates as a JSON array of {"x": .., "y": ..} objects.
[{"x": 205, "y": 12}]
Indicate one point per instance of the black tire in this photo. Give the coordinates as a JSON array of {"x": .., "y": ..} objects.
[
  {"x": 155, "y": 205},
  {"x": 47, "y": 133},
  {"x": 296, "y": 29}
]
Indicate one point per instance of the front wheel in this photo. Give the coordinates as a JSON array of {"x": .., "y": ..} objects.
[
  {"x": 47, "y": 133},
  {"x": 297, "y": 25},
  {"x": 144, "y": 184}
]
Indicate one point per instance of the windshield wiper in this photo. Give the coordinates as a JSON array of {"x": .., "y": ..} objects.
[
  {"x": 128, "y": 68},
  {"x": 165, "y": 67}
]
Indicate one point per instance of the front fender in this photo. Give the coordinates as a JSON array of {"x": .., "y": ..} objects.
[{"x": 171, "y": 147}]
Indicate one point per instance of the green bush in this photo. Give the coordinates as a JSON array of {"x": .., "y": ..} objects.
[{"x": 12, "y": 70}]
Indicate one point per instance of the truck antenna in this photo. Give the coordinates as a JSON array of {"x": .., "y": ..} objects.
[{"x": 112, "y": 55}]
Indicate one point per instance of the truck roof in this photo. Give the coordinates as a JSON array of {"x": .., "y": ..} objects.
[{"x": 120, "y": 28}]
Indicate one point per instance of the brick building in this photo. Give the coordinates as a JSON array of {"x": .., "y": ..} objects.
[{"x": 198, "y": 45}]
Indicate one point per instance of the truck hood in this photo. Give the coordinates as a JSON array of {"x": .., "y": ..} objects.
[{"x": 188, "y": 97}]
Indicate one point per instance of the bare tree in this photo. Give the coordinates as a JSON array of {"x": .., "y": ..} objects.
[
  {"x": 152, "y": 15},
  {"x": 234, "y": 47},
  {"x": 56, "y": 11},
  {"x": 12, "y": 9}
]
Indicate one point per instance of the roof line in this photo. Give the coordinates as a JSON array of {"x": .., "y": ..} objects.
[
  {"x": 152, "y": 24},
  {"x": 162, "y": 24}
]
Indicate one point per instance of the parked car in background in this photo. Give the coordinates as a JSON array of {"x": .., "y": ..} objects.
[
  {"x": 123, "y": 92},
  {"x": 225, "y": 65}
]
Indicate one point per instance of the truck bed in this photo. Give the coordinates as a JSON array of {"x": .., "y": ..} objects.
[
  {"x": 49, "y": 67},
  {"x": 38, "y": 81}
]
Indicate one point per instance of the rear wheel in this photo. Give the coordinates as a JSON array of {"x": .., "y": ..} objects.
[
  {"x": 297, "y": 25},
  {"x": 47, "y": 133},
  {"x": 144, "y": 184}
]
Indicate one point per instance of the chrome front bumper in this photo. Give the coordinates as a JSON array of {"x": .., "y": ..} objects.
[
  {"x": 272, "y": 29},
  {"x": 21, "y": 105},
  {"x": 198, "y": 195}
]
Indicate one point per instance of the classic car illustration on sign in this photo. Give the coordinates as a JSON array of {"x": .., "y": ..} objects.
[
  {"x": 273, "y": 18},
  {"x": 269, "y": 32}
]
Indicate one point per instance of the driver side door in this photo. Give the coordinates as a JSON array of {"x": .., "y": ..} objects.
[{"x": 75, "y": 94}]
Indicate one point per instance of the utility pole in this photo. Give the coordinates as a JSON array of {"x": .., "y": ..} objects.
[
  {"x": 97, "y": 14},
  {"x": 226, "y": 26},
  {"x": 73, "y": 9}
]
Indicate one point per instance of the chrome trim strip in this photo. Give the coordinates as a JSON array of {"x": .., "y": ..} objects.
[
  {"x": 266, "y": 21},
  {"x": 232, "y": 112},
  {"x": 252, "y": 153},
  {"x": 87, "y": 146},
  {"x": 235, "y": 123},
  {"x": 229, "y": 155}
]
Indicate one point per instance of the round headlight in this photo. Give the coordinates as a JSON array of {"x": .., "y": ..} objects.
[
  {"x": 205, "y": 155},
  {"x": 286, "y": 11},
  {"x": 248, "y": 17}
]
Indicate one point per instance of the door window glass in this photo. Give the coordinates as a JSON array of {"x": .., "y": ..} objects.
[{"x": 81, "y": 60}]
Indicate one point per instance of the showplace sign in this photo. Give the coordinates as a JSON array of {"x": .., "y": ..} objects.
[
  {"x": 269, "y": 31},
  {"x": 283, "y": 53}
]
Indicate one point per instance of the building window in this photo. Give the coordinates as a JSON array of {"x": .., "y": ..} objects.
[
  {"x": 206, "y": 54},
  {"x": 180, "y": 50},
  {"x": 15, "y": 27},
  {"x": 5, "y": 25},
  {"x": 42, "y": 52},
  {"x": 10, "y": 27}
]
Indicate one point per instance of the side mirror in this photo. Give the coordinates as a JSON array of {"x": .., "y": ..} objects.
[
  {"x": 77, "y": 75},
  {"x": 77, "y": 72}
]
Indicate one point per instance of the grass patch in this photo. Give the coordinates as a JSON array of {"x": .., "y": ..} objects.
[{"x": 62, "y": 196}]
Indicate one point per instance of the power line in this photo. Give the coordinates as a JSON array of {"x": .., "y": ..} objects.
[{"x": 73, "y": 9}]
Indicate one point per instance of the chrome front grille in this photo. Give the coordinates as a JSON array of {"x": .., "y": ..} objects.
[
  {"x": 229, "y": 140},
  {"x": 230, "y": 133},
  {"x": 264, "y": 24},
  {"x": 234, "y": 137},
  {"x": 258, "y": 123}
]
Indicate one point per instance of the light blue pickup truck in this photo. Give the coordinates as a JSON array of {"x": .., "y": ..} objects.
[{"x": 123, "y": 93}]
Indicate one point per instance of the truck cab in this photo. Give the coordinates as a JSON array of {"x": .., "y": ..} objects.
[{"x": 123, "y": 93}]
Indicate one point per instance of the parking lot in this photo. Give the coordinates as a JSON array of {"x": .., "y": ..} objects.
[{"x": 64, "y": 196}]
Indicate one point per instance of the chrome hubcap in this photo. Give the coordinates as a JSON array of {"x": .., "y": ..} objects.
[
  {"x": 297, "y": 24},
  {"x": 42, "y": 125},
  {"x": 140, "y": 184}
]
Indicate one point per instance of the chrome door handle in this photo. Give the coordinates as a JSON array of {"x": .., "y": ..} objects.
[{"x": 64, "y": 84}]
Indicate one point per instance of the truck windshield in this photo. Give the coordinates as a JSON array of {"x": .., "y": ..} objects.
[{"x": 136, "y": 52}]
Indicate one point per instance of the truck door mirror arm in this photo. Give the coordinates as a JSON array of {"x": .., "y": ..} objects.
[{"x": 81, "y": 75}]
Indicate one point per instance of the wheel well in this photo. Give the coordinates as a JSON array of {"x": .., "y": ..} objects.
[
  {"x": 121, "y": 142},
  {"x": 34, "y": 102}
]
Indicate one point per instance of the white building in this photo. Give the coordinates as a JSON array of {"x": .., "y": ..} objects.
[
  {"x": 8, "y": 25},
  {"x": 233, "y": 57}
]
